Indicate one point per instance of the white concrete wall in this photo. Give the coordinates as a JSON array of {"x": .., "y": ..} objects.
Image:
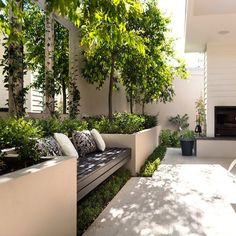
[
  {"x": 187, "y": 92},
  {"x": 221, "y": 79},
  {"x": 95, "y": 102},
  {"x": 222, "y": 149},
  {"x": 141, "y": 143},
  {"x": 40, "y": 200}
]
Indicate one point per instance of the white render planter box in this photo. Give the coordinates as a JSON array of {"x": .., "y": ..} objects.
[
  {"x": 216, "y": 148},
  {"x": 141, "y": 143},
  {"x": 39, "y": 200}
]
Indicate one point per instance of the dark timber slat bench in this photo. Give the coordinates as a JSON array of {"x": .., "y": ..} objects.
[{"x": 94, "y": 168}]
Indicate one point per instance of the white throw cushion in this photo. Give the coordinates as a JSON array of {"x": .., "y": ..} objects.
[
  {"x": 66, "y": 145},
  {"x": 98, "y": 139}
]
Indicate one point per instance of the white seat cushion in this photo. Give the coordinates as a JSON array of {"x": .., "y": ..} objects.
[
  {"x": 98, "y": 139},
  {"x": 66, "y": 145}
]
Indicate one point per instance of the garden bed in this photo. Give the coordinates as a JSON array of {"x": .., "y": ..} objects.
[
  {"x": 90, "y": 207},
  {"x": 141, "y": 143}
]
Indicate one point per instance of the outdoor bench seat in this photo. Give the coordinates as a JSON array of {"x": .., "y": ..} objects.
[{"x": 94, "y": 168}]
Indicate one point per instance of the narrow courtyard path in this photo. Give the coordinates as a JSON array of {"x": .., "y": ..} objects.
[{"x": 186, "y": 196}]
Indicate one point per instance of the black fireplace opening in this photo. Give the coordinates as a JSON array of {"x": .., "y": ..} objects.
[{"x": 225, "y": 121}]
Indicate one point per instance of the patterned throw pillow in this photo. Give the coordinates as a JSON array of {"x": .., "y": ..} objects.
[
  {"x": 84, "y": 142},
  {"x": 48, "y": 147}
]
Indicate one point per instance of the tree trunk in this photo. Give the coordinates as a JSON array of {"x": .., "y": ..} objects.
[
  {"x": 110, "y": 112},
  {"x": 64, "y": 96},
  {"x": 143, "y": 107},
  {"x": 49, "y": 64},
  {"x": 16, "y": 97},
  {"x": 131, "y": 102}
]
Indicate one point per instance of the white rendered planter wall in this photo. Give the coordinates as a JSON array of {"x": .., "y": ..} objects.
[
  {"x": 141, "y": 143},
  {"x": 39, "y": 200}
]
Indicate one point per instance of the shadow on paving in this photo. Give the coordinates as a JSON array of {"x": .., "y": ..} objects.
[{"x": 191, "y": 200}]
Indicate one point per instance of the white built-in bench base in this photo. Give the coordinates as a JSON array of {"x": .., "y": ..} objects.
[{"x": 216, "y": 147}]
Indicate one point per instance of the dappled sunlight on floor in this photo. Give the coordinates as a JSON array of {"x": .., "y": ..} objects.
[{"x": 181, "y": 199}]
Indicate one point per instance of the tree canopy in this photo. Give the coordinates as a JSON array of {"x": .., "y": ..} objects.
[
  {"x": 148, "y": 78},
  {"x": 105, "y": 35},
  {"x": 124, "y": 41},
  {"x": 133, "y": 44}
]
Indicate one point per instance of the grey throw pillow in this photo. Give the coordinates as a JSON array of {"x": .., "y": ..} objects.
[{"x": 83, "y": 142}]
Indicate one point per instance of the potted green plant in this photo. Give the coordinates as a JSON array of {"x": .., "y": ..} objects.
[{"x": 187, "y": 140}]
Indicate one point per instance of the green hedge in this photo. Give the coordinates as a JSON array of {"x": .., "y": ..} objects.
[
  {"x": 21, "y": 134},
  {"x": 53, "y": 125},
  {"x": 122, "y": 123},
  {"x": 93, "y": 204},
  {"x": 170, "y": 138},
  {"x": 152, "y": 162}
]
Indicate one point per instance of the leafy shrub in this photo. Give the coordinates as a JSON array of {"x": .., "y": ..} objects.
[
  {"x": 187, "y": 134},
  {"x": 152, "y": 162},
  {"x": 53, "y": 125},
  {"x": 49, "y": 126},
  {"x": 90, "y": 207},
  {"x": 180, "y": 122},
  {"x": 21, "y": 134},
  {"x": 150, "y": 121},
  {"x": 123, "y": 123},
  {"x": 170, "y": 138},
  {"x": 69, "y": 125}
]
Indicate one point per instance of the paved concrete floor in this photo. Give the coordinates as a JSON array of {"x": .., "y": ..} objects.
[{"x": 187, "y": 196}]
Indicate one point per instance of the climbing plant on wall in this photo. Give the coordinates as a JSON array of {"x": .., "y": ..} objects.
[
  {"x": 13, "y": 59},
  {"x": 35, "y": 56}
]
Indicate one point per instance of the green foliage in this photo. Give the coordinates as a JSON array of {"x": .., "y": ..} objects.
[
  {"x": 11, "y": 25},
  {"x": 180, "y": 122},
  {"x": 170, "y": 138},
  {"x": 35, "y": 51},
  {"x": 123, "y": 123},
  {"x": 70, "y": 125},
  {"x": 201, "y": 113},
  {"x": 105, "y": 34},
  {"x": 53, "y": 125},
  {"x": 187, "y": 134},
  {"x": 152, "y": 162},
  {"x": 67, "y": 7},
  {"x": 21, "y": 134},
  {"x": 90, "y": 207},
  {"x": 148, "y": 78},
  {"x": 74, "y": 103},
  {"x": 150, "y": 121},
  {"x": 49, "y": 126}
]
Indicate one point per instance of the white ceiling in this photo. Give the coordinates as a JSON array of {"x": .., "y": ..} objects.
[
  {"x": 214, "y": 7},
  {"x": 205, "y": 19}
]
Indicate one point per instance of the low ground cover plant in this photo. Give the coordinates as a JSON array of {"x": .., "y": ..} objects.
[
  {"x": 92, "y": 205},
  {"x": 152, "y": 162}
]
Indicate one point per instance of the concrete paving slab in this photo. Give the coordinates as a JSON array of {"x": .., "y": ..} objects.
[{"x": 189, "y": 199}]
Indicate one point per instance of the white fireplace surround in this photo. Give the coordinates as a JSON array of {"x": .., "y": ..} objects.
[{"x": 221, "y": 79}]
